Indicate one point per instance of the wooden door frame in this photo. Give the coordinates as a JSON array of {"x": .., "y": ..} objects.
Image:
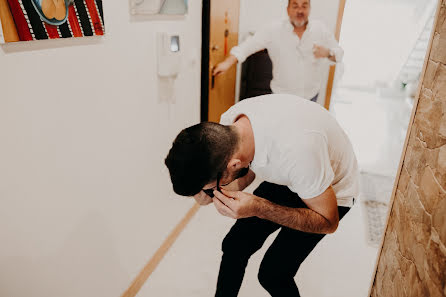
[
  {"x": 205, "y": 40},
  {"x": 331, "y": 73},
  {"x": 216, "y": 101}
]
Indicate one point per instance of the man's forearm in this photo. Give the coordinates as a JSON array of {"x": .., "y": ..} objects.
[
  {"x": 302, "y": 219},
  {"x": 232, "y": 59},
  {"x": 338, "y": 54}
]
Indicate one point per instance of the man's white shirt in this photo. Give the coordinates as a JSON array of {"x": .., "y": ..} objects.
[
  {"x": 295, "y": 69},
  {"x": 300, "y": 145}
]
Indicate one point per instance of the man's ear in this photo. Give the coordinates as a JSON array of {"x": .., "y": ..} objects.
[{"x": 234, "y": 164}]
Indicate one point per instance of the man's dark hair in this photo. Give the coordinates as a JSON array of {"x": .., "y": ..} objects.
[{"x": 198, "y": 154}]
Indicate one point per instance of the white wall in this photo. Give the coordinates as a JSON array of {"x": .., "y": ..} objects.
[
  {"x": 377, "y": 43},
  {"x": 254, "y": 14},
  {"x": 85, "y": 198}
]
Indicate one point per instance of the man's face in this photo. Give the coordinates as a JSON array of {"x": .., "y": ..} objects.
[
  {"x": 298, "y": 11},
  {"x": 227, "y": 178}
]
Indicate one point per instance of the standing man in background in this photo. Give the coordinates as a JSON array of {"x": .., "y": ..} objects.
[{"x": 297, "y": 48}]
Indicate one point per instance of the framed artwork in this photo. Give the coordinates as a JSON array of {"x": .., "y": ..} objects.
[
  {"x": 26, "y": 20},
  {"x": 158, "y": 7}
]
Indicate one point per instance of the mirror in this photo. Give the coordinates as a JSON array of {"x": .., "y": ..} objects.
[
  {"x": 254, "y": 18},
  {"x": 254, "y": 75},
  {"x": 158, "y": 7}
]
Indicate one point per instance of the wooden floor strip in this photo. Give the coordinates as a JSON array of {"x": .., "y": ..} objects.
[{"x": 142, "y": 277}]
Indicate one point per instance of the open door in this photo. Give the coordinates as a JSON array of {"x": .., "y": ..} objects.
[
  {"x": 331, "y": 73},
  {"x": 220, "y": 34}
]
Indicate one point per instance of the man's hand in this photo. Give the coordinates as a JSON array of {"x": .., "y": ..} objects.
[
  {"x": 236, "y": 205},
  {"x": 202, "y": 198},
  {"x": 320, "y": 52},
  {"x": 225, "y": 65}
]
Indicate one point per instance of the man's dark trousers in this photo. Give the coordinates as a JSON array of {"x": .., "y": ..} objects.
[{"x": 283, "y": 257}]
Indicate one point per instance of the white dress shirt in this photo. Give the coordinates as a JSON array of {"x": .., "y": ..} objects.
[
  {"x": 295, "y": 69},
  {"x": 299, "y": 144}
]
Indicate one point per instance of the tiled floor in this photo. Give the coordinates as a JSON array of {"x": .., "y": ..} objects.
[
  {"x": 342, "y": 264},
  {"x": 375, "y": 194},
  {"x": 376, "y": 126}
]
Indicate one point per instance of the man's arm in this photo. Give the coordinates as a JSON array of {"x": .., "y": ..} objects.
[
  {"x": 321, "y": 216},
  {"x": 240, "y": 52},
  {"x": 237, "y": 185},
  {"x": 329, "y": 47},
  {"x": 333, "y": 46},
  {"x": 331, "y": 53},
  {"x": 225, "y": 65}
]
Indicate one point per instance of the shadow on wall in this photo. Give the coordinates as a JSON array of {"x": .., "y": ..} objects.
[{"x": 36, "y": 45}]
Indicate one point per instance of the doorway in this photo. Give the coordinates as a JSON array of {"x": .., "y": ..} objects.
[{"x": 220, "y": 26}]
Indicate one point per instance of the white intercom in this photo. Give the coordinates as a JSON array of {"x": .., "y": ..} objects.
[
  {"x": 168, "y": 54},
  {"x": 168, "y": 64}
]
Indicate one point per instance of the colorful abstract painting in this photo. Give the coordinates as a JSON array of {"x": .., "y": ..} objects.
[{"x": 24, "y": 20}]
